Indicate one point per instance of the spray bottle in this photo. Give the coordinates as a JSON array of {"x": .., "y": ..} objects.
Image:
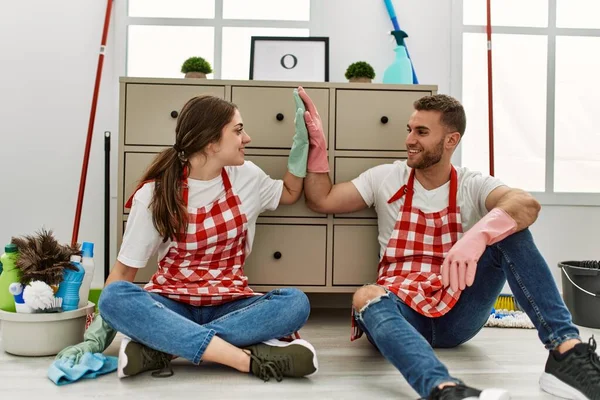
[
  {"x": 87, "y": 261},
  {"x": 10, "y": 274},
  {"x": 401, "y": 70}
]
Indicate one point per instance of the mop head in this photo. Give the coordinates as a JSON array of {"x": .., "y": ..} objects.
[{"x": 509, "y": 319}]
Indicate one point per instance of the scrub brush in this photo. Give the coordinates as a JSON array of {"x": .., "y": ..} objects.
[
  {"x": 506, "y": 302},
  {"x": 39, "y": 296}
]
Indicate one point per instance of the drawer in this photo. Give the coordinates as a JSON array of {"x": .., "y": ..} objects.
[
  {"x": 135, "y": 165},
  {"x": 348, "y": 168},
  {"x": 144, "y": 274},
  {"x": 288, "y": 255},
  {"x": 276, "y": 167},
  {"x": 360, "y": 119},
  {"x": 355, "y": 254},
  {"x": 148, "y": 111},
  {"x": 262, "y": 107}
]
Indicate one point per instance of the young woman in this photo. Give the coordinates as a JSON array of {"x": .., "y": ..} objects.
[{"x": 197, "y": 206}]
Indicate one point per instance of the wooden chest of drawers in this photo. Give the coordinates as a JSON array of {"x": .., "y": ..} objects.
[{"x": 365, "y": 125}]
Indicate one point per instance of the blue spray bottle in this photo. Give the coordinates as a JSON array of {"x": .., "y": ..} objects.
[{"x": 401, "y": 70}]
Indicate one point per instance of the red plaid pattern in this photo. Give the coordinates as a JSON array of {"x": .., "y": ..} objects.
[
  {"x": 207, "y": 267},
  {"x": 411, "y": 264}
]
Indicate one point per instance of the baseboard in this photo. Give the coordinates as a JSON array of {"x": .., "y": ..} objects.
[{"x": 330, "y": 300}]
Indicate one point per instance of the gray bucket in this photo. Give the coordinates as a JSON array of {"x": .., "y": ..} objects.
[{"x": 581, "y": 291}]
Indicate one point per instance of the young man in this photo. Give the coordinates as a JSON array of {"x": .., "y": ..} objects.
[{"x": 450, "y": 238}]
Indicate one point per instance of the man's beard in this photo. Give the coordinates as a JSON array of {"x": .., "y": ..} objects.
[{"x": 430, "y": 157}]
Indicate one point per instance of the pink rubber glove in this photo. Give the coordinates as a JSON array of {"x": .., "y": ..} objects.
[
  {"x": 459, "y": 267},
  {"x": 317, "y": 153}
]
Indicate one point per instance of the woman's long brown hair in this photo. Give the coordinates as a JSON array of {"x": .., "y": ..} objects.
[{"x": 200, "y": 123}]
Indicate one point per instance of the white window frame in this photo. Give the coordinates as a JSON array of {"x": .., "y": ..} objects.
[
  {"x": 549, "y": 197},
  {"x": 123, "y": 21}
]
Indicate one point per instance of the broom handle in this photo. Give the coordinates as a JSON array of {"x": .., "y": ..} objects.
[
  {"x": 490, "y": 92},
  {"x": 88, "y": 142}
]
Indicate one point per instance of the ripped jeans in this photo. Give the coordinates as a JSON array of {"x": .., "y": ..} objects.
[
  {"x": 184, "y": 330},
  {"x": 407, "y": 338}
]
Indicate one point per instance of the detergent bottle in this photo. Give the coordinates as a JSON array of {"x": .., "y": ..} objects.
[
  {"x": 68, "y": 289},
  {"x": 10, "y": 274},
  {"x": 400, "y": 71}
]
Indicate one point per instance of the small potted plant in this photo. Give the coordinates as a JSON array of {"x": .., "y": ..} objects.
[
  {"x": 360, "y": 71},
  {"x": 196, "y": 67}
]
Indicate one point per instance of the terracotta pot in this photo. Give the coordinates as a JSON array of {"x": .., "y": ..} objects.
[
  {"x": 194, "y": 74},
  {"x": 360, "y": 79}
]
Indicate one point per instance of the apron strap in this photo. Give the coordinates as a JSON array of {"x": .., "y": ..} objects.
[
  {"x": 408, "y": 188},
  {"x": 226, "y": 181},
  {"x": 130, "y": 200},
  {"x": 184, "y": 188},
  {"x": 453, "y": 188}
]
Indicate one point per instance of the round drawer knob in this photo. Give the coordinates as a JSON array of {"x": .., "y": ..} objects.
[
  {"x": 384, "y": 120},
  {"x": 279, "y": 117},
  {"x": 174, "y": 114},
  {"x": 277, "y": 255}
]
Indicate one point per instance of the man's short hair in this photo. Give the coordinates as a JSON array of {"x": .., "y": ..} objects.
[{"x": 453, "y": 114}]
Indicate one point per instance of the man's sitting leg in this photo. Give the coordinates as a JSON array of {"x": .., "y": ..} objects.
[
  {"x": 400, "y": 335},
  {"x": 573, "y": 368}
]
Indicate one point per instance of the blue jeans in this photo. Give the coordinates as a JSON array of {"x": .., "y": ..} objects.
[
  {"x": 184, "y": 330},
  {"x": 406, "y": 338}
]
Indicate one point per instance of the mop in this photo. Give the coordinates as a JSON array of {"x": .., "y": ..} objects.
[
  {"x": 92, "y": 118},
  {"x": 512, "y": 316},
  {"x": 509, "y": 319}
]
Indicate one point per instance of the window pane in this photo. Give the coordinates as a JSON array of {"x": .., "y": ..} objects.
[
  {"x": 236, "y": 48},
  {"x": 159, "y": 51},
  {"x": 172, "y": 8},
  {"x": 578, "y": 14},
  {"x": 519, "y": 107},
  {"x": 533, "y": 13},
  {"x": 577, "y": 133},
  {"x": 286, "y": 10}
]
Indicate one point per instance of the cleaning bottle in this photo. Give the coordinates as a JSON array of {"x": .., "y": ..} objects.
[
  {"x": 68, "y": 289},
  {"x": 10, "y": 274},
  {"x": 87, "y": 261},
  {"x": 400, "y": 71}
]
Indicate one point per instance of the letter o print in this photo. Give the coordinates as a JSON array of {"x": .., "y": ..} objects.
[{"x": 294, "y": 61}]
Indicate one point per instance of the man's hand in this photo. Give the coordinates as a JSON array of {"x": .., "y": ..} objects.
[{"x": 460, "y": 266}]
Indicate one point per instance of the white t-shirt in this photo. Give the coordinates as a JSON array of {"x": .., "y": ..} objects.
[
  {"x": 256, "y": 190},
  {"x": 378, "y": 184}
]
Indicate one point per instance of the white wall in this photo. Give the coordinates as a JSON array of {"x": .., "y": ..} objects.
[
  {"x": 47, "y": 72},
  {"x": 359, "y": 30},
  {"x": 48, "y": 58}
]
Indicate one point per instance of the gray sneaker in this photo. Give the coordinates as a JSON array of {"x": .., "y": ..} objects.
[
  {"x": 135, "y": 358},
  {"x": 276, "y": 359}
]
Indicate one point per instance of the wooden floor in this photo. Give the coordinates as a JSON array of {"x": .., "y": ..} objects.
[{"x": 508, "y": 358}]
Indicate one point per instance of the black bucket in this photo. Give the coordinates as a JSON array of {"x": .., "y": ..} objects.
[{"x": 581, "y": 291}]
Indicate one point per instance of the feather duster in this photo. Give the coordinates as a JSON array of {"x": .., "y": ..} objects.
[{"x": 42, "y": 258}]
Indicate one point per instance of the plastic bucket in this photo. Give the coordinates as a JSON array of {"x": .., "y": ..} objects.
[
  {"x": 581, "y": 291},
  {"x": 42, "y": 334}
]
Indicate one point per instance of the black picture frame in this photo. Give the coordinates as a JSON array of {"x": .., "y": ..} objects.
[{"x": 255, "y": 40}]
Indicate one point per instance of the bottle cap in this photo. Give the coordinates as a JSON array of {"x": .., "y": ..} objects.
[
  {"x": 11, "y": 248},
  {"x": 87, "y": 249}
]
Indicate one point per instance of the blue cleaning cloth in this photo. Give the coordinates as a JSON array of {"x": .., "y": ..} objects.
[{"x": 64, "y": 370}]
